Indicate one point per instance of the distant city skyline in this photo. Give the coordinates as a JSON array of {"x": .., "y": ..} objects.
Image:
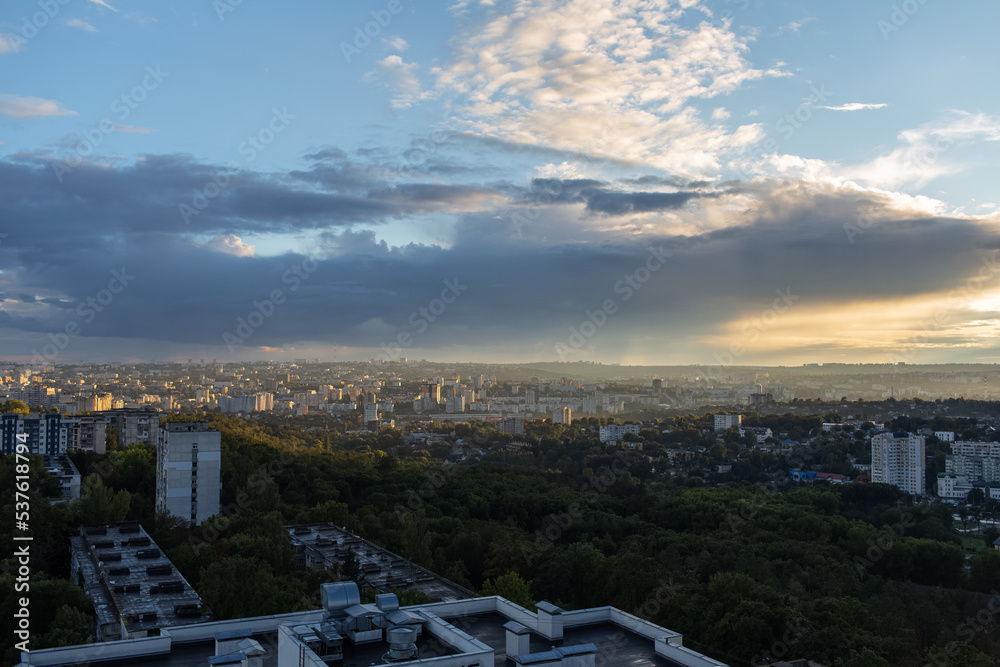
[{"x": 685, "y": 182}]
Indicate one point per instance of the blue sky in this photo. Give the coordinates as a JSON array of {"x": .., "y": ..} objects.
[{"x": 534, "y": 150}]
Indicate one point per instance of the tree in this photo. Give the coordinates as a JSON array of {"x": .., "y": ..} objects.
[
  {"x": 239, "y": 587},
  {"x": 350, "y": 569},
  {"x": 69, "y": 628},
  {"x": 511, "y": 586},
  {"x": 100, "y": 504},
  {"x": 11, "y": 407}
]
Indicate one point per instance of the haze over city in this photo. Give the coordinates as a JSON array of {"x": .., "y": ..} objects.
[{"x": 673, "y": 182}]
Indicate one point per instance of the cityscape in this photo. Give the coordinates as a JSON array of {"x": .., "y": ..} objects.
[{"x": 595, "y": 333}]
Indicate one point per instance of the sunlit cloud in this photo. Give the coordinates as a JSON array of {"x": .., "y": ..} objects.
[
  {"x": 856, "y": 106},
  {"x": 608, "y": 79}
]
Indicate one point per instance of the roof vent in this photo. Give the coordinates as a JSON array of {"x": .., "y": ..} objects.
[{"x": 402, "y": 644}]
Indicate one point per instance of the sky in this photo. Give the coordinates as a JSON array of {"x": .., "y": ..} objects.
[{"x": 715, "y": 182}]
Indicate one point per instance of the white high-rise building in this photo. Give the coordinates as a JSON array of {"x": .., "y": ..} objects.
[
  {"x": 371, "y": 412},
  {"x": 899, "y": 459},
  {"x": 723, "y": 422},
  {"x": 188, "y": 470},
  {"x": 614, "y": 433}
]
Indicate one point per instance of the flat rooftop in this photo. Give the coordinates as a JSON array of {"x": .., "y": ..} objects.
[
  {"x": 323, "y": 545},
  {"x": 615, "y": 645},
  {"x": 129, "y": 577}
]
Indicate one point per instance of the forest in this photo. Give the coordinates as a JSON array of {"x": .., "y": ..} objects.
[{"x": 750, "y": 572}]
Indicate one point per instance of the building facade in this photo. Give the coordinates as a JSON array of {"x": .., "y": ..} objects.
[
  {"x": 724, "y": 422},
  {"x": 133, "y": 425},
  {"x": 899, "y": 459},
  {"x": 188, "y": 470},
  {"x": 43, "y": 434},
  {"x": 562, "y": 416},
  {"x": 613, "y": 433}
]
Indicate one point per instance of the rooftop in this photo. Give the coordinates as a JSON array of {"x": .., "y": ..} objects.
[
  {"x": 131, "y": 581},
  {"x": 461, "y": 632},
  {"x": 323, "y": 545}
]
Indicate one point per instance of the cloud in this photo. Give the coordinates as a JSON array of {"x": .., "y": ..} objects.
[
  {"x": 102, "y": 3},
  {"x": 796, "y": 26},
  {"x": 133, "y": 129},
  {"x": 82, "y": 25},
  {"x": 141, "y": 19},
  {"x": 926, "y": 153},
  {"x": 604, "y": 78},
  {"x": 396, "y": 43},
  {"x": 856, "y": 106},
  {"x": 9, "y": 43},
  {"x": 403, "y": 79},
  {"x": 146, "y": 197},
  {"x": 732, "y": 246},
  {"x": 229, "y": 244},
  {"x": 13, "y": 106}
]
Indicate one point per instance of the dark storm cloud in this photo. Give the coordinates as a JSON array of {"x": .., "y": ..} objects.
[
  {"x": 521, "y": 286},
  {"x": 622, "y": 203},
  {"x": 149, "y": 196},
  {"x": 603, "y": 198}
]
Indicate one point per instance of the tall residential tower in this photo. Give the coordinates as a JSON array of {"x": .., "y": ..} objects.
[
  {"x": 899, "y": 459},
  {"x": 188, "y": 470}
]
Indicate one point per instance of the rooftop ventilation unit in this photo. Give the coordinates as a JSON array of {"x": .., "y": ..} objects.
[
  {"x": 402, "y": 644},
  {"x": 336, "y": 597},
  {"x": 187, "y": 610},
  {"x": 146, "y": 553},
  {"x": 158, "y": 570},
  {"x": 168, "y": 587}
]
